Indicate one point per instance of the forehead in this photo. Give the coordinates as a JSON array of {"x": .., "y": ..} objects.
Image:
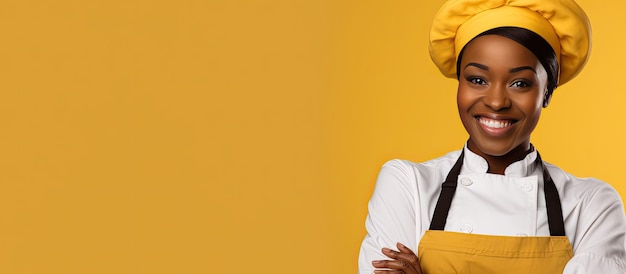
[{"x": 498, "y": 50}]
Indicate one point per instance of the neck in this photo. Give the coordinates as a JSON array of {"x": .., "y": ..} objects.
[{"x": 498, "y": 164}]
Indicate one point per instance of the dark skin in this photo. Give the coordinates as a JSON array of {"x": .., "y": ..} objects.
[
  {"x": 498, "y": 164},
  {"x": 404, "y": 261},
  {"x": 501, "y": 93},
  {"x": 502, "y": 89}
]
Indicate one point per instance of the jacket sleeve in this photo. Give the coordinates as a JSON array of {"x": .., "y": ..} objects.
[
  {"x": 600, "y": 237},
  {"x": 392, "y": 214}
]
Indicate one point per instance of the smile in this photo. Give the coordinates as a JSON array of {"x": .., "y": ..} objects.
[
  {"x": 495, "y": 127},
  {"x": 492, "y": 123}
]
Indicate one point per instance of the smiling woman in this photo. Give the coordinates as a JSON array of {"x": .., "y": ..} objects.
[
  {"x": 502, "y": 88},
  {"x": 513, "y": 212}
]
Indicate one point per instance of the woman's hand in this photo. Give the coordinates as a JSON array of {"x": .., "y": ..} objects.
[{"x": 404, "y": 261}]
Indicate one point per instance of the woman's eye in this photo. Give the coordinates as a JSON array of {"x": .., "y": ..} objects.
[
  {"x": 477, "y": 81},
  {"x": 520, "y": 84}
]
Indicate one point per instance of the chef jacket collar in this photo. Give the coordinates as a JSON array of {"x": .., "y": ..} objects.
[{"x": 473, "y": 163}]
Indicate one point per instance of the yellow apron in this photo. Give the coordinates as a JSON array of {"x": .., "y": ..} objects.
[{"x": 443, "y": 252}]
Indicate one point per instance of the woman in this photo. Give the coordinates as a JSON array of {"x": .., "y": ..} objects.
[{"x": 495, "y": 206}]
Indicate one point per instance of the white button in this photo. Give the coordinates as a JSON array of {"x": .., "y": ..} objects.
[
  {"x": 467, "y": 228},
  {"x": 466, "y": 181},
  {"x": 527, "y": 187},
  {"x": 522, "y": 234}
]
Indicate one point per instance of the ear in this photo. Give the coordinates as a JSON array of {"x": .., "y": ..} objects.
[{"x": 546, "y": 99}]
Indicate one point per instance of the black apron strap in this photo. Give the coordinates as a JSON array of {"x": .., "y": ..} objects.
[
  {"x": 448, "y": 188},
  {"x": 553, "y": 202}
]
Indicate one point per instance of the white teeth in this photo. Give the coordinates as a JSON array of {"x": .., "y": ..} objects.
[{"x": 494, "y": 123}]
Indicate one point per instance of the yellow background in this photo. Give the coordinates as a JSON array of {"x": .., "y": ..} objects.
[{"x": 240, "y": 136}]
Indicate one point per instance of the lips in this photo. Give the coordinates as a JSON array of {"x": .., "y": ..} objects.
[
  {"x": 495, "y": 126},
  {"x": 492, "y": 123}
]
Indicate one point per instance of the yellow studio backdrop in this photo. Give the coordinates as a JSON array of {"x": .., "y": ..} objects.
[{"x": 240, "y": 136}]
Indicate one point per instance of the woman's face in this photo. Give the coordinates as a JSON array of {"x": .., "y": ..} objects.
[{"x": 500, "y": 94}]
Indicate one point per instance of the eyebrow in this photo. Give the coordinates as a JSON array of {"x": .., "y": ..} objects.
[
  {"x": 513, "y": 70},
  {"x": 480, "y": 66}
]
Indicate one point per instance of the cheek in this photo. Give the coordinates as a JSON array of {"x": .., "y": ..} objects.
[
  {"x": 463, "y": 99},
  {"x": 464, "y": 102},
  {"x": 532, "y": 110},
  {"x": 535, "y": 115},
  {"x": 532, "y": 105}
]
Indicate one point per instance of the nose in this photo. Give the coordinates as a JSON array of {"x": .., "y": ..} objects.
[{"x": 497, "y": 98}]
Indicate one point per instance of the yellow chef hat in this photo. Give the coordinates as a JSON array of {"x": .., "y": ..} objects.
[{"x": 562, "y": 23}]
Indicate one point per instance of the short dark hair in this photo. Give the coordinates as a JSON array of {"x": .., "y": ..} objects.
[{"x": 533, "y": 42}]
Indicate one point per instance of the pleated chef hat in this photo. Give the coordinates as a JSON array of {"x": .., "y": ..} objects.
[{"x": 562, "y": 23}]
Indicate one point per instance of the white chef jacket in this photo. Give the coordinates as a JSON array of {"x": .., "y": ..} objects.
[{"x": 513, "y": 204}]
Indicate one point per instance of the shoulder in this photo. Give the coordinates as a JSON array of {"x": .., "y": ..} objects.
[
  {"x": 583, "y": 191},
  {"x": 409, "y": 169},
  {"x": 408, "y": 174}
]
